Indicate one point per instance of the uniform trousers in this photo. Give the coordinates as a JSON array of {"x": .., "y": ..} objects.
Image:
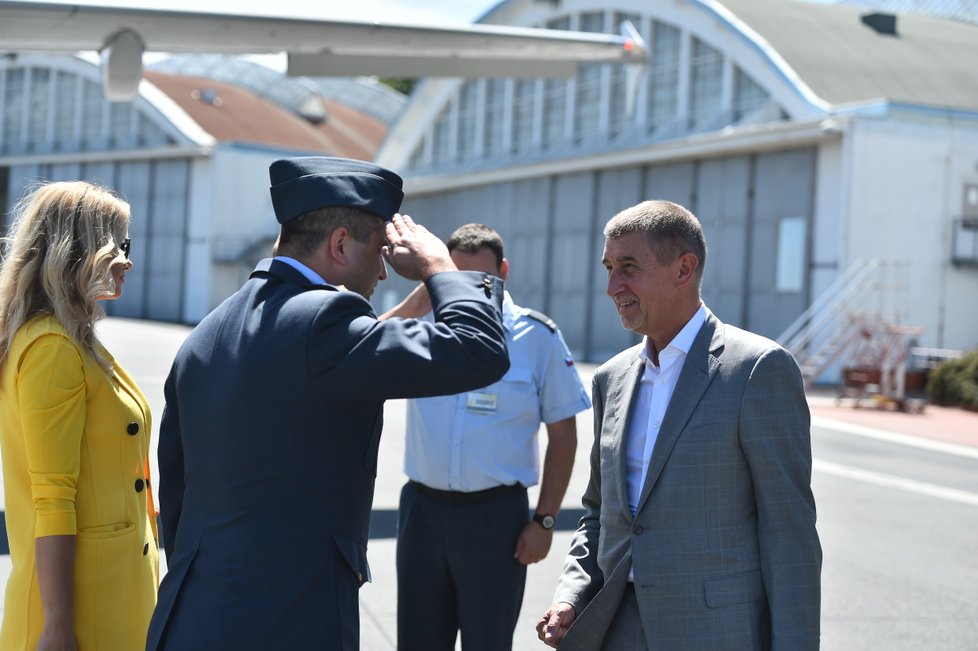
[{"x": 456, "y": 571}]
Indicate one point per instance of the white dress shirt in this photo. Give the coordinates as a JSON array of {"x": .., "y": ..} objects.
[{"x": 651, "y": 402}]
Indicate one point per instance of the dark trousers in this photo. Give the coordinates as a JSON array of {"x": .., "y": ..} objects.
[{"x": 456, "y": 571}]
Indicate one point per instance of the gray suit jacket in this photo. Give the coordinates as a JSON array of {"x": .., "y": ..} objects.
[{"x": 723, "y": 546}]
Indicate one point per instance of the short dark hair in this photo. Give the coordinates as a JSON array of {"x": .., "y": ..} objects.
[
  {"x": 302, "y": 235},
  {"x": 473, "y": 237},
  {"x": 671, "y": 231}
]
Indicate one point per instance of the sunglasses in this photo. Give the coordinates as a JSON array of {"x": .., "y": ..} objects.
[{"x": 126, "y": 246}]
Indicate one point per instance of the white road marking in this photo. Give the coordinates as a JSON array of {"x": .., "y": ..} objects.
[{"x": 892, "y": 481}]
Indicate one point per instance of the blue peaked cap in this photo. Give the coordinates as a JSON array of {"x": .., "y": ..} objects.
[{"x": 307, "y": 183}]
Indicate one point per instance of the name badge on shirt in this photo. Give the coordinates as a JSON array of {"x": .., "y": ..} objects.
[{"x": 480, "y": 403}]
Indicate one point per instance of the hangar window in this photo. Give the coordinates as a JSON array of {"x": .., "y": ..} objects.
[
  {"x": 13, "y": 110},
  {"x": 120, "y": 123},
  {"x": 37, "y": 113},
  {"x": 65, "y": 105},
  {"x": 663, "y": 89},
  {"x": 524, "y": 101},
  {"x": 149, "y": 133},
  {"x": 618, "y": 119},
  {"x": 587, "y": 114},
  {"x": 705, "y": 84},
  {"x": 417, "y": 156},
  {"x": 748, "y": 95},
  {"x": 91, "y": 107},
  {"x": 555, "y": 99},
  {"x": 468, "y": 108},
  {"x": 495, "y": 116},
  {"x": 441, "y": 138},
  {"x": 790, "y": 273}
]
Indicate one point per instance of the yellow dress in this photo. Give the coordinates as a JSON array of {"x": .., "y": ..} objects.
[{"x": 75, "y": 446}]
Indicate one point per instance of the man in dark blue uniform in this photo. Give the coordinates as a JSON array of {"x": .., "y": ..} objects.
[{"x": 274, "y": 405}]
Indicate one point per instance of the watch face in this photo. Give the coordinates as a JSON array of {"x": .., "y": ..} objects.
[{"x": 546, "y": 521}]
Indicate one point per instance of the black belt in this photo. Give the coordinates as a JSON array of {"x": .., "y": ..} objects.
[{"x": 459, "y": 497}]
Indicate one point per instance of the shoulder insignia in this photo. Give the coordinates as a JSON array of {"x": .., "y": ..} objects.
[{"x": 542, "y": 318}]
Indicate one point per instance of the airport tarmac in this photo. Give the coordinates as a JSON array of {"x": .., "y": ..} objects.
[{"x": 146, "y": 349}]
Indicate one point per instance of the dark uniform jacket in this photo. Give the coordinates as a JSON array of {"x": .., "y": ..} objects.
[{"x": 268, "y": 451}]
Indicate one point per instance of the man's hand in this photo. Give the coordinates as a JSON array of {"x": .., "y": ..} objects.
[
  {"x": 552, "y": 627},
  {"x": 413, "y": 251},
  {"x": 533, "y": 544},
  {"x": 415, "y": 305}
]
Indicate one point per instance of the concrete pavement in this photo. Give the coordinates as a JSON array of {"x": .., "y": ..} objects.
[{"x": 146, "y": 350}]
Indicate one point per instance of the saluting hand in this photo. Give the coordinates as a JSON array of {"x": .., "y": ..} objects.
[{"x": 413, "y": 251}]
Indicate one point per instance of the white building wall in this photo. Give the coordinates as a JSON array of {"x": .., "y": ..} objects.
[
  {"x": 197, "y": 278},
  {"x": 828, "y": 259},
  {"x": 241, "y": 213},
  {"x": 906, "y": 181}
]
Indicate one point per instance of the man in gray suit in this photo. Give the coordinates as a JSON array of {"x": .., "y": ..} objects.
[{"x": 699, "y": 521}]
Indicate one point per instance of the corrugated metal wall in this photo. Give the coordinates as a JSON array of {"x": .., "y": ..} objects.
[
  {"x": 552, "y": 227},
  {"x": 157, "y": 192}
]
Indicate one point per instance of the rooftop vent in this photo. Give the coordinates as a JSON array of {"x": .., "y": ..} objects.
[
  {"x": 883, "y": 23},
  {"x": 207, "y": 96}
]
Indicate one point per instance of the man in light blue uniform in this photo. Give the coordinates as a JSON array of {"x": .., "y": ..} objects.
[{"x": 464, "y": 533}]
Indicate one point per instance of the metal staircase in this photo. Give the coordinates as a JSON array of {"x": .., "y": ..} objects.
[{"x": 858, "y": 322}]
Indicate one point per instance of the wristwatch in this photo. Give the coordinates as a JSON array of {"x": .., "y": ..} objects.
[{"x": 545, "y": 520}]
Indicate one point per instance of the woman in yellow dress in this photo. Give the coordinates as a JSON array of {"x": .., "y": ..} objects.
[{"x": 74, "y": 433}]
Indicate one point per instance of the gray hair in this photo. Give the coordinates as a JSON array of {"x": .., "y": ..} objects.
[{"x": 670, "y": 229}]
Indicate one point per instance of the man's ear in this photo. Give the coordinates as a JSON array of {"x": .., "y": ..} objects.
[
  {"x": 504, "y": 269},
  {"x": 688, "y": 263},
  {"x": 337, "y": 245}
]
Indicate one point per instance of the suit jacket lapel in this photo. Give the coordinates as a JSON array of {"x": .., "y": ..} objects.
[
  {"x": 627, "y": 382},
  {"x": 701, "y": 364}
]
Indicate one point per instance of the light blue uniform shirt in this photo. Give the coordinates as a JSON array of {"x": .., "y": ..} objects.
[{"x": 486, "y": 438}]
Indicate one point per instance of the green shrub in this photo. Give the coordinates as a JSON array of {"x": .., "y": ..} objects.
[{"x": 955, "y": 382}]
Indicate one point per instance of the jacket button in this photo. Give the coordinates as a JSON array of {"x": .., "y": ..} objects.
[
  {"x": 132, "y": 429},
  {"x": 638, "y": 530},
  {"x": 145, "y": 549},
  {"x": 139, "y": 485},
  {"x": 360, "y": 577}
]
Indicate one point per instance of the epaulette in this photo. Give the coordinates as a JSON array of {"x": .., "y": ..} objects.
[{"x": 542, "y": 318}]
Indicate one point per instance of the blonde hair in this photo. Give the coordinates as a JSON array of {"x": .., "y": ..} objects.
[{"x": 57, "y": 260}]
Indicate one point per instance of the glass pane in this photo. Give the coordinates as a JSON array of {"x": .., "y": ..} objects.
[
  {"x": 120, "y": 121},
  {"x": 619, "y": 108},
  {"x": 495, "y": 114},
  {"x": 37, "y": 116},
  {"x": 587, "y": 115},
  {"x": 524, "y": 94},
  {"x": 663, "y": 76},
  {"x": 705, "y": 83},
  {"x": 92, "y": 106},
  {"x": 13, "y": 107},
  {"x": 65, "y": 103},
  {"x": 467, "y": 114},
  {"x": 791, "y": 254},
  {"x": 441, "y": 135},
  {"x": 748, "y": 94},
  {"x": 555, "y": 99}
]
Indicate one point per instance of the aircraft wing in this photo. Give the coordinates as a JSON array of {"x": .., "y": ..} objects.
[{"x": 314, "y": 47}]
